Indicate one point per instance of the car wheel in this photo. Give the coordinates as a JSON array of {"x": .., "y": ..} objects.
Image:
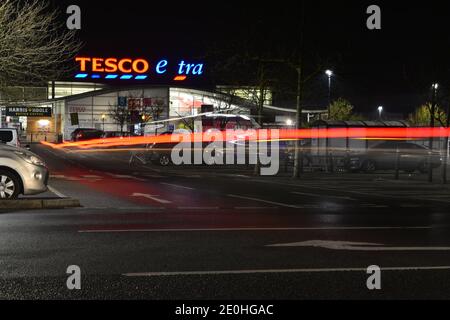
[
  {"x": 163, "y": 160},
  {"x": 9, "y": 185},
  {"x": 369, "y": 166}
]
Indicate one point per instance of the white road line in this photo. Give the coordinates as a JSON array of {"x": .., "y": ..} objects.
[
  {"x": 125, "y": 176},
  {"x": 371, "y": 194},
  {"x": 91, "y": 176},
  {"x": 322, "y": 195},
  {"x": 254, "y": 208},
  {"x": 252, "y": 229},
  {"x": 176, "y": 186},
  {"x": 303, "y": 270},
  {"x": 57, "y": 176},
  {"x": 59, "y": 194},
  {"x": 151, "y": 197},
  {"x": 264, "y": 201},
  {"x": 122, "y": 208},
  {"x": 153, "y": 176},
  {"x": 198, "y": 208}
]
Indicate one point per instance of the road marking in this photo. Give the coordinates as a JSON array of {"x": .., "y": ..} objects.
[
  {"x": 121, "y": 208},
  {"x": 371, "y": 194},
  {"x": 254, "y": 208},
  {"x": 264, "y": 201},
  {"x": 73, "y": 178},
  {"x": 238, "y": 175},
  {"x": 91, "y": 176},
  {"x": 153, "y": 176},
  {"x": 251, "y": 229},
  {"x": 59, "y": 194},
  {"x": 125, "y": 176},
  {"x": 176, "y": 186},
  {"x": 322, "y": 195},
  {"x": 151, "y": 197},
  {"x": 355, "y": 246},
  {"x": 303, "y": 270},
  {"x": 198, "y": 208},
  {"x": 57, "y": 176}
]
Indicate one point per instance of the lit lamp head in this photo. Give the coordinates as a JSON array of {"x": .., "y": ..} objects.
[
  {"x": 103, "y": 116},
  {"x": 380, "y": 108},
  {"x": 289, "y": 122},
  {"x": 435, "y": 86},
  {"x": 329, "y": 73}
]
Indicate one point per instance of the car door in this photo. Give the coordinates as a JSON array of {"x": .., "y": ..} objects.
[
  {"x": 384, "y": 155},
  {"x": 413, "y": 156}
]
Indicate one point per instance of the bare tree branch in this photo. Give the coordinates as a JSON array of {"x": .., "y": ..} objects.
[{"x": 34, "y": 47}]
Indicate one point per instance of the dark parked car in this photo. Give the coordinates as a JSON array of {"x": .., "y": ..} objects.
[
  {"x": 83, "y": 134},
  {"x": 161, "y": 153},
  {"x": 116, "y": 134},
  {"x": 384, "y": 156}
]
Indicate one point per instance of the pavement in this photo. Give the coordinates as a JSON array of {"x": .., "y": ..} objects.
[{"x": 147, "y": 232}]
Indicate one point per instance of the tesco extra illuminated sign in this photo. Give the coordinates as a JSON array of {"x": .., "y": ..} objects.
[{"x": 137, "y": 69}]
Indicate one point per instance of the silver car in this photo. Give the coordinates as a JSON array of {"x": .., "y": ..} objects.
[{"x": 21, "y": 172}]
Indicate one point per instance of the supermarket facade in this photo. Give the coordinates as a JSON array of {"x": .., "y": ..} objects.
[{"x": 102, "y": 89}]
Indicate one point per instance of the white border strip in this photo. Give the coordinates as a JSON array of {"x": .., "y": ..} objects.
[
  {"x": 204, "y": 273},
  {"x": 250, "y": 229}
]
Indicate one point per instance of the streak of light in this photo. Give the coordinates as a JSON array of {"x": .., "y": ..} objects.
[{"x": 261, "y": 134}]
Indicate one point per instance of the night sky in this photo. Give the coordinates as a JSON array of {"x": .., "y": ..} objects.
[{"x": 393, "y": 67}]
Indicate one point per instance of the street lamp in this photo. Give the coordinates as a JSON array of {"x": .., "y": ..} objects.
[
  {"x": 329, "y": 74},
  {"x": 435, "y": 87},
  {"x": 380, "y": 110},
  {"x": 103, "y": 121},
  {"x": 289, "y": 122}
]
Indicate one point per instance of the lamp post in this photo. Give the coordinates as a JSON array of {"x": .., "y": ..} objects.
[
  {"x": 103, "y": 121},
  {"x": 434, "y": 88},
  {"x": 329, "y": 74},
  {"x": 380, "y": 110}
]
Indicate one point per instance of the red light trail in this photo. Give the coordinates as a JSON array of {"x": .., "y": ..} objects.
[{"x": 264, "y": 134}]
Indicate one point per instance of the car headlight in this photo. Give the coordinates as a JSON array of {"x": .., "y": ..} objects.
[{"x": 31, "y": 158}]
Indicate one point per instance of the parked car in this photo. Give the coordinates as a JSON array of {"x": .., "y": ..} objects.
[
  {"x": 83, "y": 134},
  {"x": 10, "y": 136},
  {"x": 21, "y": 172},
  {"x": 383, "y": 156},
  {"x": 116, "y": 134},
  {"x": 287, "y": 152},
  {"x": 161, "y": 153}
]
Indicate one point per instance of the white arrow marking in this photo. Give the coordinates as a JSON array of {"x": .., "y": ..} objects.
[
  {"x": 152, "y": 197},
  {"x": 355, "y": 246}
]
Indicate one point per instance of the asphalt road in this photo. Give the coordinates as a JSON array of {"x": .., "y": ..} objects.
[{"x": 147, "y": 232}]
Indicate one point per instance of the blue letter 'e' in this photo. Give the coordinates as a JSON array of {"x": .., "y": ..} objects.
[{"x": 160, "y": 67}]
